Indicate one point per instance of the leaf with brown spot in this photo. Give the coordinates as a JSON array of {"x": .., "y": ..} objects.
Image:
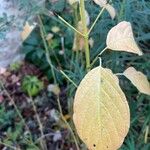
[{"x": 101, "y": 112}]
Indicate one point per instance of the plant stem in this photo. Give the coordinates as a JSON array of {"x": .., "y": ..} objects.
[
  {"x": 14, "y": 148},
  {"x": 66, "y": 76},
  {"x": 43, "y": 34},
  {"x": 69, "y": 25},
  {"x": 42, "y": 31},
  {"x": 68, "y": 125},
  {"x": 42, "y": 142},
  {"x": 18, "y": 112},
  {"x": 85, "y": 31},
  {"x": 119, "y": 74},
  {"x": 98, "y": 16},
  {"x": 95, "y": 59}
]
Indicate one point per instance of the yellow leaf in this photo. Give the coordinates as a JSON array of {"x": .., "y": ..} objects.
[
  {"x": 138, "y": 79},
  {"x": 101, "y": 3},
  {"x": 101, "y": 112},
  {"x": 78, "y": 43},
  {"x": 109, "y": 8},
  {"x": 91, "y": 42},
  {"x": 111, "y": 11},
  {"x": 26, "y": 31},
  {"x": 120, "y": 38}
]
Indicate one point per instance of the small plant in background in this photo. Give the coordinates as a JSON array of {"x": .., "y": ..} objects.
[
  {"x": 31, "y": 85},
  {"x": 15, "y": 66}
]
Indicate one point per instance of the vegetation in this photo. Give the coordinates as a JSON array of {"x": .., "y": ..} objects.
[{"x": 55, "y": 65}]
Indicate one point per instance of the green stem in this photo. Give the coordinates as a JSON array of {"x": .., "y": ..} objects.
[
  {"x": 42, "y": 30},
  {"x": 93, "y": 62},
  {"x": 62, "y": 72},
  {"x": 18, "y": 112},
  {"x": 68, "y": 125},
  {"x": 98, "y": 16},
  {"x": 42, "y": 141},
  {"x": 85, "y": 31},
  {"x": 69, "y": 25},
  {"x": 14, "y": 148}
]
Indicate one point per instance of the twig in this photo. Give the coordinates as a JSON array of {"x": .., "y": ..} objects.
[
  {"x": 69, "y": 25},
  {"x": 18, "y": 112},
  {"x": 52, "y": 68},
  {"x": 66, "y": 76},
  {"x": 68, "y": 125},
  {"x": 42, "y": 31},
  {"x": 93, "y": 62},
  {"x": 43, "y": 143},
  {"x": 98, "y": 16},
  {"x": 119, "y": 74},
  {"x": 12, "y": 147}
]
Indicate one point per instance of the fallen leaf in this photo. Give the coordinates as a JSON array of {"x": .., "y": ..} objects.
[
  {"x": 138, "y": 79},
  {"x": 101, "y": 112},
  {"x": 27, "y": 31},
  {"x": 120, "y": 38},
  {"x": 54, "y": 88}
]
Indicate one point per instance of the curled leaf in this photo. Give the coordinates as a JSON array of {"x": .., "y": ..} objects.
[
  {"x": 109, "y": 8},
  {"x": 138, "y": 79},
  {"x": 120, "y": 38},
  {"x": 78, "y": 43},
  {"x": 91, "y": 42},
  {"x": 101, "y": 3},
  {"x": 101, "y": 112},
  {"x": 87, "y": 18},
  {"x": 27, "y": 31}
]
